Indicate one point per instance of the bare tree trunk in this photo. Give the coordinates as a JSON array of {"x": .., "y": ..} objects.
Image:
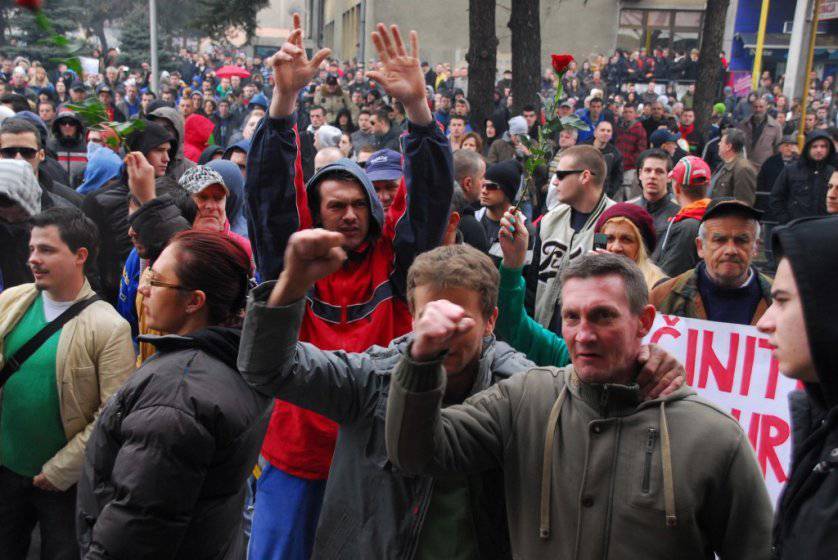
[
  {"x": 99, "y": 30},
  {"x": 709, "y": 64},
  {"x": 482, "y": 59},
  {"x": 524, "y": 22}
]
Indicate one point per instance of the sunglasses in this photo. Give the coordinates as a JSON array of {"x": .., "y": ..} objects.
[
  {"x": 491, "y": 186},
  {"x": 561, "y": 174},
  {"x": 12, "y": 151}
]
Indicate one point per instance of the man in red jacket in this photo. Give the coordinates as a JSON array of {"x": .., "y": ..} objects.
[{"x": 361, "y": 304}]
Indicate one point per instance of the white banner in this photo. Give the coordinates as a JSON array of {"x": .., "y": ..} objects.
[
  {"x": 732, "y": 366},
  {"x": 89, "y": 65}
]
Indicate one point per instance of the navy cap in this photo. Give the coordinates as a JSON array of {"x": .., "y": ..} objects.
[
  {"x": 384, "y": 165},
  {"x": 661, "y": 136}
]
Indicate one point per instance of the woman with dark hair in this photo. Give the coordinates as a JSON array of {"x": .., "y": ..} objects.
[
  {"x": 167, "y": 462},
  {"x": 490, "y": 134},
  {"x": 343, "y": 121}
]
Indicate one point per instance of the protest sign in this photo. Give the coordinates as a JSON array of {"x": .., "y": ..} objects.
[{"x": 732, "y": 366}]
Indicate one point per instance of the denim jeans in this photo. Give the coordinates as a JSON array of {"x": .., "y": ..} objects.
[{"x": 22, "y": 505}]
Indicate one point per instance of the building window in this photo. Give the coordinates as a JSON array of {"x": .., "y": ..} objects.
[{"x": 657, "y": 29}]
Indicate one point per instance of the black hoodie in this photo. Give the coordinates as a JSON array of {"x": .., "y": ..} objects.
[
  {"x": 800, "y": 190},
  {"x": 807, "y": 514}
]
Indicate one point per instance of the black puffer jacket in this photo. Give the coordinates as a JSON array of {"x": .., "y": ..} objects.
[
  {"x": 167, "y": 463},
  {"x": 806, "y": 525},
  {"x": 800, "y": 190}
]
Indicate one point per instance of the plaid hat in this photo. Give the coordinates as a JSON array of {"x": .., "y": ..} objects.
[
  {"x": 691, "y": 171},
  {"x": 18, "y": 184},
  {"x": 636, "y": 215},
  {"x": 384, "y": 165},
  {"x": 729, "y": 206},
  {"x": 197, "y": 178}
]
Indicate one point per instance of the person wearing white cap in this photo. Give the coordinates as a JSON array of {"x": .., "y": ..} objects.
[{"x": 505, "y": 148}]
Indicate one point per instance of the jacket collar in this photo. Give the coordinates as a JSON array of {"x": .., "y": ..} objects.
[{"x": 608, "y": 399}]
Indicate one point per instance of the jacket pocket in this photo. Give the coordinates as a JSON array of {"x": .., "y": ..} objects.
[
  {"x": 84, "y": 388},
  {"x": 649, "y": 450},
  {"x": 646, "y": 486}
]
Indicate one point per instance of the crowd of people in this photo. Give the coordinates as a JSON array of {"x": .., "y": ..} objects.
[{"x": 306, "y": 310}]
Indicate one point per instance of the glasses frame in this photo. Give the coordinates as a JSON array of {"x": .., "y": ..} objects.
[
  {"x": 154, "y": 283},
  {"x": 562, "y": 174},
  {"x": 17, "y": 150}
]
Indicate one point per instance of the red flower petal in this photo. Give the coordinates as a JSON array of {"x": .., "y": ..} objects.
[
  {"x": 33, "y": 5},
  {"x": 561, "y": 62}
]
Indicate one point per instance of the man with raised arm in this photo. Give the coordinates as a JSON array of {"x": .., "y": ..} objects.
[{"x": 362, "y": 302}]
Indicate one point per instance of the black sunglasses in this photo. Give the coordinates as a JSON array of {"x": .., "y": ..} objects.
[
  {"x": 560, "y": 174},
  {"x": 12, "y": 151},
  {"x": 489, "y": 186}
]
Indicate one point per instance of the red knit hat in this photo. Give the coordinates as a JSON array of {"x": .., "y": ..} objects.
[{"x": 637, "y": 215}]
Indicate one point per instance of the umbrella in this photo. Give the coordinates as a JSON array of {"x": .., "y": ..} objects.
[{"x": 229, "y": 71}]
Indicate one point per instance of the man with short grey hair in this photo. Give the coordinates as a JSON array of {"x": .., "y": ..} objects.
[
  {"x": 723, "y": 286},
  {"x": 737, "y": 178},
  {"x": 470, "y": 172},
  {"x": 579, "y": 448}
]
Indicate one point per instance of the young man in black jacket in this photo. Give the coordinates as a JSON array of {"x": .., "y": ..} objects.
[{"x": 802, "y": 329}]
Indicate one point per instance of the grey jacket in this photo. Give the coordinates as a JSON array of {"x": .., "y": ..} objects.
[
  {"x": 590, "y": 470},
  {"x": 371, "y": 508}
]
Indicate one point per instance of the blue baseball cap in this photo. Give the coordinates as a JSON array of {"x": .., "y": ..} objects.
[
  {"x": 661, "y": 136},
  {"x": 384, "y": 165}
]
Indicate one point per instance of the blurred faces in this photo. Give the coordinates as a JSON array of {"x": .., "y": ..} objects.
[
  {"x": 603, "y": 133},
  {"x": 492, "y": 196},
  {"x": 596, "y": 107},
  {"x": 159, "y": 158},
  {"x": 464, "y": 348},
  {"x": 386, "y": 191},
  {"x": 47, "y": 112},
  {"x": 603, "y": 336},
  {"x": 317, "y": 118},
  {"x": 364, "y": 122},
  {"x": 251, "y": 124},
  {"x": 653, "y": 178},
  {"x": 345, "y": 145},
  {"x": 344, "y": 208},
  {"x": 687, "y": 117},
  {"x": 760, "y": 107},
  {"x": 185, "y": 106},
  {"x": 239, "y": 157},
  {"x": 530, "y": 117},
  {"x": 657, "y": 110},
  {"x": 457, "y": 128},
  {"x": 469, "y": 144},
  {"x": 212, "y": 215},
  {"x": 785, "y": 325},
  {"x": 629, "y": 113},
  {"x": 566, "y": 139},
  {"x": 727, "y": 247},
  {"x": 819, "y": 149},
  {"x": 788, "y": 150},
  {"x": 832, "y": 194}
]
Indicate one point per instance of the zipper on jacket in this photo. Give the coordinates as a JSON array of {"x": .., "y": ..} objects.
[{"x": 647, "y": 466}]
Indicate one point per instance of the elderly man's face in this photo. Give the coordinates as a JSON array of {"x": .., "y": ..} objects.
[
  {"x": 727, "y": 247},
  {"x": 603, "y": 336}
]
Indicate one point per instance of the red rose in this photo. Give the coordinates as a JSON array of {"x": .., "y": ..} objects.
[
  {"x": 33, "y": 5},
  {"x": 560, "y": 62}
]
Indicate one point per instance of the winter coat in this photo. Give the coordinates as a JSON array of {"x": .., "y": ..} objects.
[
  {"x": 363, "y": 303},
  {"x": 737, "y": 178},
  {"x": 167, "y": 464},
  {"x": 767, "y": 176},
  {"x": 630, "y": 139},
  {"x": 680, "y": 296},
  {"x": 762, "y": 148},
  {"x": 370, "y": 509},
  {"x": 501, "y": 150},
  {"x": 800, "y": 190},
  {"x": 807, "y": 513},
  {"x": 613, "y": 167},
  {"x": 677, "y": 252},
  {"x": 197, "y": 132},
  {"x": 94, "y": 358},
  {"x": 103, "y": 167},
  {"x": 332, "y": 103},
  {"x": 179, "y": 163},
  {"x": 591, "y": 471},
  {"x": 661, "y": 211}
]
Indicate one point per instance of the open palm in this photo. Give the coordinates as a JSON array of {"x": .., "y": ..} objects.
[
  {"x": 292, "y": 68},
  {"x": 399, "y": 73}
]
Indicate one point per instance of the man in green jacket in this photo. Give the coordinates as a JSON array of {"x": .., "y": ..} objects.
[{"x": 591, "y": 470}]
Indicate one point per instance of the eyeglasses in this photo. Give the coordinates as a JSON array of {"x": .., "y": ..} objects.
[
  {"x": 489, "y": 186},
  {"x": 12, "y": 151},
  {"x": 561, "y": 174},
  {"x": 154, "y": 282}
]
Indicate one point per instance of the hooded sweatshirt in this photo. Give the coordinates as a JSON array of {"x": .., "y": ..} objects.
[
  {"x": 800, "y": 190},
  {"x": 807, "y": 514},
  {"x": 363, "y": 303},
  {"x": 71, "y": 152},
  {"x": 179, "y": 163},
  {"x": 102, "y": 167},
  {"x": 197, "y": 133},
  {"x": 17, "y": 184},
  {"x": 234, "y": 181}
]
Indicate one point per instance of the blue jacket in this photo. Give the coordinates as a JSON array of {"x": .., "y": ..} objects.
[
  {"x": 103, "y": 165},
  {"x": 585, "y": 115},
  {"x": 128, "y": 284}
]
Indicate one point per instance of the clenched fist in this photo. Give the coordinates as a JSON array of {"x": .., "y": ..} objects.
[
  {"x": 440, "y": 321},
  {"x": 311, "y": 254}
]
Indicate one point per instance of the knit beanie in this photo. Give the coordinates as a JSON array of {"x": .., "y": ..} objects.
[
  {"x": 507, "y": 175},
  {"x": 636, "y": 215}
]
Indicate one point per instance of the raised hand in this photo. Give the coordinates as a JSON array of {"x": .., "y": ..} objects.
[
  {"x": 400, "y": 73},
  {"x": 292, "y": 71},
  {"x": 311, "y": 254},
  {"x": 513, "y": 238},
  {"x": 439, "y": 322},
  {"x": 140, "y": 177}
]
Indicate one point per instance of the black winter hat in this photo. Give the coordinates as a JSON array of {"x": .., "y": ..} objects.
[
  {"x": 151, "y": 136},
  {"x": 507, "y": 175}
]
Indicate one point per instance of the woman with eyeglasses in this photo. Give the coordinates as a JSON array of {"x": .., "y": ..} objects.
[{"x": 168, "y": 459}]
